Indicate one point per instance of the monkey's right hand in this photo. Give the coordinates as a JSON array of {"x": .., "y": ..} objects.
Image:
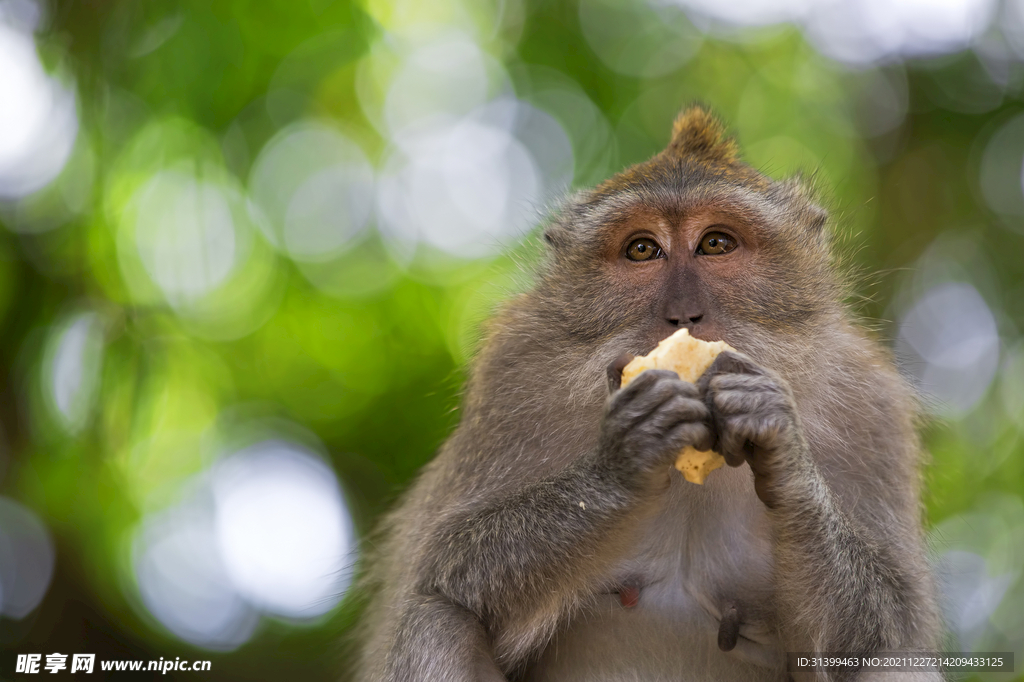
[{"x": 646, "y": 424}]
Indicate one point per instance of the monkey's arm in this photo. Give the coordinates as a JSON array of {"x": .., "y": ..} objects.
[
  {"x": 497, "y": 577},
  {"x": 506, "y": 568},
  {"x": 842, "y": 584}
]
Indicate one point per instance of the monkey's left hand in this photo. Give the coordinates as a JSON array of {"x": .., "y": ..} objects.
[{"x": 754, "y": 418}]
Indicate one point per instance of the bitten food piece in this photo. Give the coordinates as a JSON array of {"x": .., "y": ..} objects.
[{"x": 689, "y": 358}]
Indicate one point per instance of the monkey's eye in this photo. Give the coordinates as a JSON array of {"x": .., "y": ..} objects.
[
  {"x": 715, "y": 243},
  {"x": 643, "y": 249}
]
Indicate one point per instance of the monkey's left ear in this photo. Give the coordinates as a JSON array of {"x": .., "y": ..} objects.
[
  {"x": 698, "y": 133},
  {"x": 800, "y": 194}
]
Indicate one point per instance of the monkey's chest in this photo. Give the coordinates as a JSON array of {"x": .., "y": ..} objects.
[{"x": 691, "y": 600}]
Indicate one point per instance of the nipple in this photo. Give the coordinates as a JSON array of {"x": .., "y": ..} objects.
[
  {"x": 629, "y": 596},
  {"x": 729, "y": 629}
]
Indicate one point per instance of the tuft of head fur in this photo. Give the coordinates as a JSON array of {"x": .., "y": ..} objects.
[
  {"x": 697, "y": 133},
  {"x": 700, "y": 150}
]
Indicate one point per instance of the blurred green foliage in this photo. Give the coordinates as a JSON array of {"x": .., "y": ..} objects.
[{"x": 364, "y": 351}]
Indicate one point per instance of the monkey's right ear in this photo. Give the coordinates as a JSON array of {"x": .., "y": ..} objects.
[{"x": 555, "y": 236}]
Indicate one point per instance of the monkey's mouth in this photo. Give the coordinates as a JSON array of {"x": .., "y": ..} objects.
[{"x": 697, "y": 331}]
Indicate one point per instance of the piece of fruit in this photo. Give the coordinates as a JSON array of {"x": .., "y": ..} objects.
[{"x": 689, "y": 358}]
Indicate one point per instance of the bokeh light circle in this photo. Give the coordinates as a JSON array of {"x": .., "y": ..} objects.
[
  {"x": 27, "y": 558},
  {"x": 185, "y": 234},
  {"x": 283, "y": 529},
  {"x": 950, "y": 343},
  {"x": 315, "y": 188},
  {"x": 38, "y": 118},
  {"x": 867, "y": 31},
  {"x": 447, "y": 76},
  {"x": 639, "y": 39},
  {"x": 72, "y": 368},
  {"x": 264, "y": 531},
  {"x": 980, "y": 559},
  {"x": 183, "y": 583},
  {"x": 471, "y": 187}
]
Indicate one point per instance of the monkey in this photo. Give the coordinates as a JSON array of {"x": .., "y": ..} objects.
[{"x": 551, "y": 539}]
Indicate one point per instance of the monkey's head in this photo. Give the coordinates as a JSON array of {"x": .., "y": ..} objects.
[{"x": 693, "y": 237}]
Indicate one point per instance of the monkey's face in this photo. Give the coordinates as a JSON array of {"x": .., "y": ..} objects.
[
  {"x": 726, "y": 261},
  {"x": 692, "y": 238},
  {"x": 674, "y": 269}
]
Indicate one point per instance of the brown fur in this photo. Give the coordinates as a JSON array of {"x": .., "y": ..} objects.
[
  {"x": 504, "y": 559},
  {"x": 701, "y": 145}
]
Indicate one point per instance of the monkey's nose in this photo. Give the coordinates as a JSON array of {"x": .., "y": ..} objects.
[{"x": 691, "y": 320}]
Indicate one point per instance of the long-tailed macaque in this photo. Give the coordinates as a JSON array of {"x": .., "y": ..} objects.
[{"x": 551, "y": 538}]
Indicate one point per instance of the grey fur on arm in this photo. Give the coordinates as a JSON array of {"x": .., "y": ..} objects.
[{"x": 845, "y": 591}]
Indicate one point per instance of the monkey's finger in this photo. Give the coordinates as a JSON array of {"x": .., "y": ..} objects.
[
  {"x": 755, "y": 438},
  {"x": 615, "y": 371},
  {"x": 726, "y": 364},
  {"x": 688, "y": 390},
  {"x": 708, "y": 439},
  {"x": 716, "y": 423},
  {"x": 730, "y": 446},
  {"x": 677, "y": 392},
  {"x": 679, "y": 412},
  {"x": 732, "y": 362},
  {"x": 678, "y": 409},
  {"x": 645, "y": 380},
  {"x": 746, "y": 401},
  {"x": 738, "y": 437},
  {"x": 633, "y": 404},
  {"x": 652, "y": 386},
  {"x": 683, "y": 434},
  {"x": 745, "y": 382}
]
